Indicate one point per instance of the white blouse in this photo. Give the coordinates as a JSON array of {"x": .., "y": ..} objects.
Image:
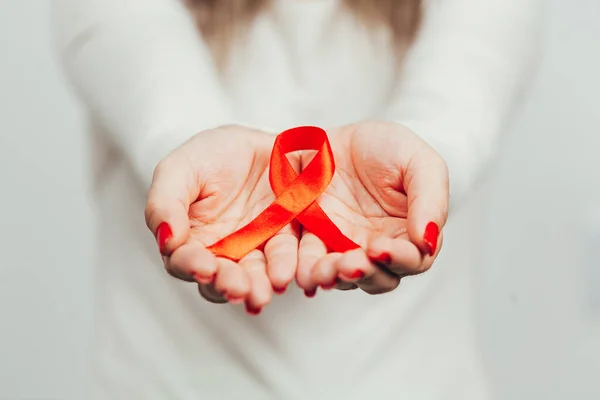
[{"x": 149, "y": 83}]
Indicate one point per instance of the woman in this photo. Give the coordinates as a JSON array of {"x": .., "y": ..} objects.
[{"x": 404, "y": 90}]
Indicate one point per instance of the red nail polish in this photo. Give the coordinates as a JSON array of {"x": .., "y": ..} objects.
[
  {"x": 357, "y": 274},
  {"x": 383, "y": 258},
  {"x": 279, "y": 290},
  {"x": 430, "y": 237},
  {"x": 163, "y": 235},
  {"x": 329, "y": 286},
  {"x": 252, "y": 310},
  {"x": 234, "y": 299},
  {"x": 310, "y": 293}
]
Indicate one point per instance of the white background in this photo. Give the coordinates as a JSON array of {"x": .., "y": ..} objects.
[{"x": 540, "y": 268}]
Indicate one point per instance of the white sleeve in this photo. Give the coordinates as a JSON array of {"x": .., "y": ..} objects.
[
  {"x": 141, "y": 69},
  {"x": 462, "y": 78}
]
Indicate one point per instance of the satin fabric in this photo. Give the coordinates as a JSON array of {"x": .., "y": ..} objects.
[{"x": 296, "y": 197}]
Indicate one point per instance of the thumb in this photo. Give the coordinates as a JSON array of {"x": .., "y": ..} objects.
[
  {"x": 174, "y": 188},
  {"x": 427, "y": 187}
]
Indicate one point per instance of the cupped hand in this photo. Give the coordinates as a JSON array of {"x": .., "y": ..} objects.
[
  {"x": 390, "y": 196},
  {"x": 208, "y": 188}
]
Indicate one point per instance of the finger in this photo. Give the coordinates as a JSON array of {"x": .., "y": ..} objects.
[
  {"x": 398, "y": 255},
  {"x": 428, "y": 260},
  {"x": 351, "y": 267},
  {"x": 356, "y": 268},
  {"x": 192, "y": 262},
  {"x": 281, "y": 253},
  {"x": 209, "y": 293},
  {"x": 325, "y": 273},
  {"x": 354, "y": 265},
  {"x": 380, "y": 282},
  {"x": 427, "y": 187},
  {"x": 174, "y": 187},
  {"x": 261, "y": 291},
  {"x": 344, "y": 286},
  {"x": 311, "y": 249},
  {"x": 232, "y": 281}
]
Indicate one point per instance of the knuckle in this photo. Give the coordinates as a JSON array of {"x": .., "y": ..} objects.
[
  {"x": 424, "y": 267},
  {"x": 152, "y": 209},
  {"x": 163, "y": 165},
  {"x": 432, "y": 159},
  {"x": 442, "y": 166},
  {"x": 174, "y": 162},
  {"x": 160, "y": 166}
]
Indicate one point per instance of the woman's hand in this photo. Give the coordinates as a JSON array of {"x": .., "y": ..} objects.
[
  {"x": 390, "y": 195},
  {"x": 211, "y": 186}
]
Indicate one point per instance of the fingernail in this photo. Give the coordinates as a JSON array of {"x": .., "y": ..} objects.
[
  {"x": 310, "y": 293},
  {"x": 234, "y": 299},
  {"x": 357, "y": 274},
  {"x": 329, "y": 286},
  {"x": 279, "y": 290},
  {"x": 430, "y": 237},
  {"x": 163, "y": 235},
  {"x": 203, "y": 279},
  {"x": 382, "y": 258},
  {"x": 252, "y": 310}
]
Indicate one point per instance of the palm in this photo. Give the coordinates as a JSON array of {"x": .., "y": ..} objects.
[
  {"x": 361, "y": 199},
  {"x": 233, "y": 199},
  {"x": 233, "y": 188},
  {"x": 366, "y": 200},
  {"x": 357, "y": 213},
  {"x": 233, "y": 194}
]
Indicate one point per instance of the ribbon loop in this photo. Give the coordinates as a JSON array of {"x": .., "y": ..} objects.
[{"x": 296, "y": 197}]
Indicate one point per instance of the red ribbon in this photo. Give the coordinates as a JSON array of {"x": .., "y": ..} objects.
[{"x": 296, "y": 197}]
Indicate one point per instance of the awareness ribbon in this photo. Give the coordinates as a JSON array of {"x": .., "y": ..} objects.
[{"x": 296, "y": 197}]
